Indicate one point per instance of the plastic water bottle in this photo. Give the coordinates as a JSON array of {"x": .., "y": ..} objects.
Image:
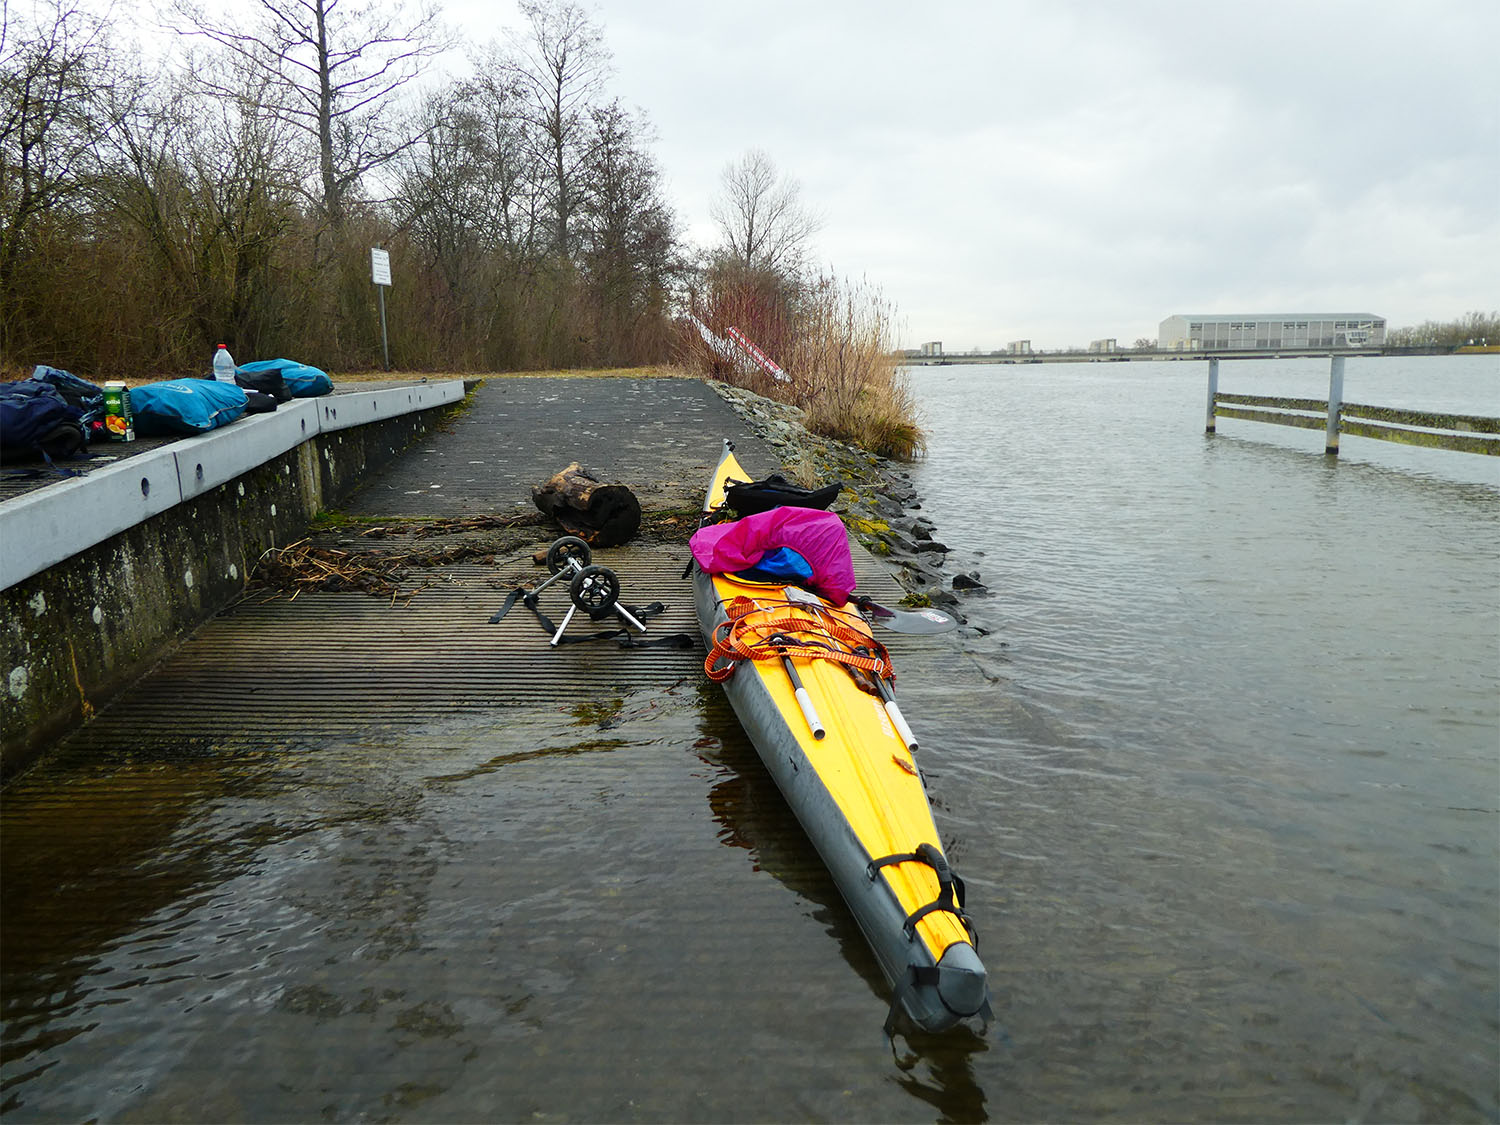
[{"x": 223, "y": 365}]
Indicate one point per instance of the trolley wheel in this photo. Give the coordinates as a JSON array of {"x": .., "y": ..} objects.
[
  {"x": 595, "y": 590},
  {"x": 568, "y": 547}
]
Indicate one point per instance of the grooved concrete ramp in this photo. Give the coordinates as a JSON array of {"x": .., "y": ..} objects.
[
  {"x": 659, "y": 436},
  {"x": 275, "y": 670}
]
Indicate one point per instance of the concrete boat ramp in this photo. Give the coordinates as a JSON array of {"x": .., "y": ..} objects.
[
  {"x": 148, "y": 636},
  {"x": 348, "y": 856}
]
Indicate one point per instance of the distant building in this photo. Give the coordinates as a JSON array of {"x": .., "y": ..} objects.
[
  {"x": 1103, "y": 346},
  {"x": 1270, "y": 331},
  {"x": 1018, "y": 347},
  {"x": 933, "y": 348}
]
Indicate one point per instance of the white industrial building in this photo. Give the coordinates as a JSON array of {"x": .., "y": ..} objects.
[{"x": 1270, "y": 331}]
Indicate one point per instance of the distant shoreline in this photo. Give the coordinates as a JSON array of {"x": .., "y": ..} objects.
[{"x": 1163, "y": 356}]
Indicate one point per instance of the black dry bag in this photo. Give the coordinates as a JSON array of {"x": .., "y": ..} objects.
[{"x": 775, "y": 491}]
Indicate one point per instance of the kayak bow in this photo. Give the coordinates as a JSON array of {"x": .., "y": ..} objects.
[{"x": 811, "y": 687}]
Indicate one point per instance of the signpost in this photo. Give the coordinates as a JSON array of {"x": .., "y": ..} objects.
[{"x": 380, "y": 274}]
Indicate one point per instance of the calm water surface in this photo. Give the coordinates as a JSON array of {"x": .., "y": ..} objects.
[
  {"x": 1235, "y": 787},
  {"x": 1219, "y": 762}
]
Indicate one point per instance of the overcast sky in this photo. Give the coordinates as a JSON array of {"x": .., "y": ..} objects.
[{"x": 1066, "y": 170}]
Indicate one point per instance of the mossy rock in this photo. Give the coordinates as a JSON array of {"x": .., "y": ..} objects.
[{"x": 862, "y": 526}]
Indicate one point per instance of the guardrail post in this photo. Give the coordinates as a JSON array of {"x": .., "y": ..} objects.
[
  {"x": 1213, "y": 391},
  {"x": 1335, "y": 404}
]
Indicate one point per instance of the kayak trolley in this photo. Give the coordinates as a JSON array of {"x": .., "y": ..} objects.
[
  {"x": 596, "y": 591},
  {"x": 593, "y": 589}
]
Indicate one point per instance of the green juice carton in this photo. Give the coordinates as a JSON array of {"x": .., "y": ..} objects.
[{"x": 119, "y": 422}]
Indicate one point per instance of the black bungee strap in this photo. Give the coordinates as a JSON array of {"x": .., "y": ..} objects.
[
  {"x": 950, "y": 888},
  {"x": 950, "y": 899},
  {"x": 626, "y": 638},
  {"x": 52, "y": 469}
]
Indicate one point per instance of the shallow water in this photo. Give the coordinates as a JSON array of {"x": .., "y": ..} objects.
[
  {"x": 1236, "y": 789},
  {"x": 1220, "y": 774}
]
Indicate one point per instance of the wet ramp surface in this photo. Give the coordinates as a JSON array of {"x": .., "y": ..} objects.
[
  {"x": 355, "y": 857},
  {"x": 346, "y": 857},
  {"x": 660, "y": 437},
  {"x": 332, "y": 662},
  {"x": 279, "y": 668}
]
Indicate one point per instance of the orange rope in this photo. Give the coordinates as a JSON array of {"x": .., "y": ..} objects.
[{"x": 748, "y": 633}]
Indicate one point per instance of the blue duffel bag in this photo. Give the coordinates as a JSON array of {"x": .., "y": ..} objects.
[
  {"x": 185, "y": 406},
  {"x": 301, "y": 380}
]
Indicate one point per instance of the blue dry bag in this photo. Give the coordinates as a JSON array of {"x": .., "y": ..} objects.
[
  {"x": 301, "y": 380},
  {"x": 786, "y": 563},
  {"x": 185, "y": 406}
]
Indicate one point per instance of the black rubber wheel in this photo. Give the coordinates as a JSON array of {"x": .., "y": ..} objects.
[
  {"x": 595, "y": 590},
  {"x": 568, "y": 547}
]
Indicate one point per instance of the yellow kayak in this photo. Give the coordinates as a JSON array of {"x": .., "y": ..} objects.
[{"x": 810, "y": 684}]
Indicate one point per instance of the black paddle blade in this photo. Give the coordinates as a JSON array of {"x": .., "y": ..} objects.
[{"x": 913, "y": 621}]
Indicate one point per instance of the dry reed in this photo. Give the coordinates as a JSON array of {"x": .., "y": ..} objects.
[{"x": 833, "y": 338}]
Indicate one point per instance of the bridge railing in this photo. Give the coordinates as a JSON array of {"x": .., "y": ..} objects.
[{"x": 1462, "y": 432}]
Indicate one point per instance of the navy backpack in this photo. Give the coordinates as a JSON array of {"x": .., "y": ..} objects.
[{"x": 36, "y": 421}]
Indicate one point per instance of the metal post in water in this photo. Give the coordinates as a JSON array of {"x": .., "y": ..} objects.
[
  {"x": 1213, "y": 391},
  {"x": 1335, "y": 405}
]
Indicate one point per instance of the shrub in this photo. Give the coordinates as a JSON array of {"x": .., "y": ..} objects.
[
  {"x": 846, "y": 370},
  {"x": 832, "y": 337}
]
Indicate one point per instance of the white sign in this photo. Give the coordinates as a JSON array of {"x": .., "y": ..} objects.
[{"x": 380, "y": 266}]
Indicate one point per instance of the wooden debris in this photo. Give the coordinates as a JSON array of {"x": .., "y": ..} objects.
[
  {"x": 473, "y": 523},
  {"x": 301, "y": 566},
  {"x": 601, "y": 514}
]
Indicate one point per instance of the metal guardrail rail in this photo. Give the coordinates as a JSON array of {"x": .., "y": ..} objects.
[{"x": 1464, "y": 433}]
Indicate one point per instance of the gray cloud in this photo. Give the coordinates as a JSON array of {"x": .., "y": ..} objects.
[{"x": 1068, "y": 169}]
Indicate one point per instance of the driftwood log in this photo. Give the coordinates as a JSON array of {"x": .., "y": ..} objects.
[{"x": 599, "y": 513}]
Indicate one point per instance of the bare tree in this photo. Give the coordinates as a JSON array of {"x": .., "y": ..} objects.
[
  {"x": 56, "y": 84},
  {"x": 467, "y": 204},
  {"x": 761, "y": 217},
  {"x": 330, "y": 68},
  {"x": 492, "y": 123},
  {"x": 627, "y": 233},
  {"x": 558, "y": 68},
  {"x": 207, "y": 185}
]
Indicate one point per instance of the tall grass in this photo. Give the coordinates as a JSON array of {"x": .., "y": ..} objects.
[
  {"x": 845, "y": 362},
  {"x": 833, "y": 338}
]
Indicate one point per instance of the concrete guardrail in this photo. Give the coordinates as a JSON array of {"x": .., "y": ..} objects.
[{"x": 99, "y": 572}]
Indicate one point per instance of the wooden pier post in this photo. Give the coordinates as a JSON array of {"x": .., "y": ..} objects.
[
  {"x": 1213, "y": 391},
  {"x": 1335, "y": 404}
]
